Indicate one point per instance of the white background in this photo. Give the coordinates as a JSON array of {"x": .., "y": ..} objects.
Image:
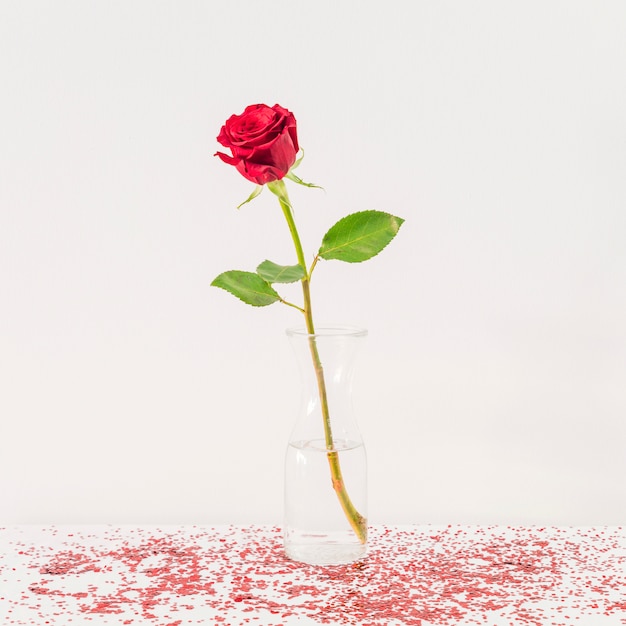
[{"x": 493, "y": 384}]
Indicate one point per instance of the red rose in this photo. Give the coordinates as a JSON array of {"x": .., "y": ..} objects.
[{"x": 263, "y": 140}]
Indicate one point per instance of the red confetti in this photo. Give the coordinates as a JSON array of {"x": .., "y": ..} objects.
[{"x": 413, "y": 576}]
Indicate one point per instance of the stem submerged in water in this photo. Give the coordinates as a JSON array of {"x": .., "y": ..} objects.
[{"x": 356, "y": 520}]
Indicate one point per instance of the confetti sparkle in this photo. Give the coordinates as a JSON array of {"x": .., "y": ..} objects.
[{"x": 412, "y": 576}]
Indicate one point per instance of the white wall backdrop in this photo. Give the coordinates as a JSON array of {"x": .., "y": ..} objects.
[{"x": 493, "y": 384}]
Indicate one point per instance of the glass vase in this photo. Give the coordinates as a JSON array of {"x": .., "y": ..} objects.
[{"x": 326, "y": 467}]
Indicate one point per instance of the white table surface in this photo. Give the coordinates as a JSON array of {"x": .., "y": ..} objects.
[{"x": 234, "y": 575}]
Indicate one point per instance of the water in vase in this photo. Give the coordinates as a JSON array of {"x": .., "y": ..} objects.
[{"x": 316, "y": 529}]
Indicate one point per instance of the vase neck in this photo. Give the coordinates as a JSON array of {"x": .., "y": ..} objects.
[{"x": 326, "y": 362}]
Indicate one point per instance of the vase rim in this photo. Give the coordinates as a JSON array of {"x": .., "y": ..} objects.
[{"x": 328, "y": 330}]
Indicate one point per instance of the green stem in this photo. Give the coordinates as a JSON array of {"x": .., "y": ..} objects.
[
  {"x": 315, "y": 260},
  {"x": 291, "y": 304},
  {"x": 356, "y": 520}
]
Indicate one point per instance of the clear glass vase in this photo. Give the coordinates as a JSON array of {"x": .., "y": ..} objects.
[{"x": 326, "y": 466}]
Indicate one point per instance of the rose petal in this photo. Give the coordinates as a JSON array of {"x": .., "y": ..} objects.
[{"x": 228, "y": 159}]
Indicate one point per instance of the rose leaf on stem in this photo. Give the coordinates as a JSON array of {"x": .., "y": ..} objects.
[
  {"x": 359, "y": 236},
  {"x": 274, "y": 273},
  {"x": 248, "y": 287}
]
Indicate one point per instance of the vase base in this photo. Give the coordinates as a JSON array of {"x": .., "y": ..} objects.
[{"x": 325, "y": 553}]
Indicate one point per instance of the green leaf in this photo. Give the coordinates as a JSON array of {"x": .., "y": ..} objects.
[
  {"x": 257, "y": 190},
  {"x": 273, "y": 273},
  {"x": 247, "y": 286},
  {"x": 359, "y": 236}
]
